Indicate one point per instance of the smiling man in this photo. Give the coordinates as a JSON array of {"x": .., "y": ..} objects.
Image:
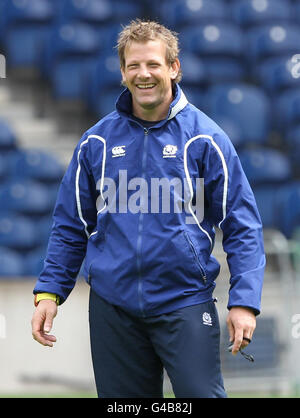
[
  {"x": 149, "y": 76},
  {"x": 152, "y": 275}
]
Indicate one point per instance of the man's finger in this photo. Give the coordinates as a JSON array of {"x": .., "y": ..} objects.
[{"x": 238, "y": 339}]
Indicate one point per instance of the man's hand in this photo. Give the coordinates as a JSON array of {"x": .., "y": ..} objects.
[
  {"x": 42, "y": 321},
  {"x": 241, "y": 323}
]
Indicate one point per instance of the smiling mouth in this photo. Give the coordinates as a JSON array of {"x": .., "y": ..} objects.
[{"x": 145, "y": 86}]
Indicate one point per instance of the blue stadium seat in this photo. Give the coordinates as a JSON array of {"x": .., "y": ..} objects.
[
  {"x": 265, "y": 197},
  {"x": 105, "y": 101},
  {"x": 126, "y": 10},
  {"x": 193, "y": 70},
  {"x": 25, "y": 25},
  {"x": 26, "y": 197},
  {"x": 288, "y": 206},
  {"x": 3, "y": 168},
  {"x": 287, "y": 108},
  {"x": 18, "y": 232},
  {"x": 108, "y": 36},
  {"x": 271, "y": 40},
  {"x": 218, "y": 39},
  {"x": 44, "y": 225},
  {"x": 243, "y": 107},
  {"x": 90, "y": 11},
  {"x": 8, "y": 139},
  {"x": 71, "y": 53},
  {"x": 265, "y": 348},
  {"x": 252, "y": 13},
  {"x": 34, "y": 262},
  {"x": 277, "y": 73},
  {"x": 11, "y": 263},
  {"x": 224, "y": 69},
  {"x": 179, "y": 13},
  {"x": 99, "y": 12},
  {"x": 265, "y": 166},
  {"x": 37, "y": 165},
  {"x": 105, "y": 78},
  {"x": 194, "y": 95},
  {"x": 292, "y": 141},
  {"x": 296, "y": 11}
]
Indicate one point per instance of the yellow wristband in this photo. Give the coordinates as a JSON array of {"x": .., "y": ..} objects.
[{"x": 46, "y": 296}]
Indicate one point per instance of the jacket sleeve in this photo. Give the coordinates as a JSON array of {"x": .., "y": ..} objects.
[
  {"x": 233, "y": 209},
  {"x": 74, "y": 218}
]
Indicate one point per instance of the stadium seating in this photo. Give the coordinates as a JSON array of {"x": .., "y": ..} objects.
[
  {"x": 241, "y": 107},
  {"x": 277, "y": 73},
  {"x": 33, "y": 262},
  {"x": 89, "y": 11},
  {"x": 71, "y": 54},
  {"x": 26, "y": 198},
  {"x": 288, "y": 205},
  {"x": 8, "y": 140},
  {"x": 11, "y": 263},
  {"x": 193, "y": 69},
  {"x": 270, "y": 41},
  {"x": 224, "y": 69},
  {"x": 213, "y": 40},
  {"x": 3, "y": 169},
  {"x": 265, "y": 166},
  {"x": 36, "y": 165},
  {"x": 105, "y": 77},
  {"x": 292, "y": 143},
  {"x": 24, "y": 28},
  {"x": 98, "y": 12},
  {"x": 253, "y": 13},
  {"x": 195, "y": 95},
  {"x": 265, "y": 196},
  {"x": 18, "y": 232},
  {"x": 287, "y": 109},
  {"x": 180, "y": 13}
]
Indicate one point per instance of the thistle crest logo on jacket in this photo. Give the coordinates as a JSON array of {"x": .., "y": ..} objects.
[{"x": 149, "y": 260}]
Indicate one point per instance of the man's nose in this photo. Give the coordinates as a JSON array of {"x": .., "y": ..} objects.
[{"x": 143, "y": 72}]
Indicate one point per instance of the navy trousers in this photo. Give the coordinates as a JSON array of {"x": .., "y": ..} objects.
[{"x": 129, "y": 353}]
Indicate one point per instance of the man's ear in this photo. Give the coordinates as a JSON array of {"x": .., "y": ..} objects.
[
  {"x": 123, "y": 82},
  {"x": 174, "y": 69}
]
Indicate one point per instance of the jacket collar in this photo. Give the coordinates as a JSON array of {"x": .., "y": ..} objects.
[{"x": 124, "y": 103}]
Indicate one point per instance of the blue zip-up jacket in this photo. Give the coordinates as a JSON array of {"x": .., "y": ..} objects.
[{"x": 140, "y": 255}]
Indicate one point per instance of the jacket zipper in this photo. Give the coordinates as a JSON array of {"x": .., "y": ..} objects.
[
  {"x": 196, "y": 257},
  {"x": 140, "y": 230}
]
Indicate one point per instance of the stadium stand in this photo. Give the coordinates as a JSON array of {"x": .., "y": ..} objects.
[
  {"x": 24, "y": 26},
  {"x": 242, "y": 110},
  {"x": 181, "y": 13},
  {"x": 240, "y": 61}
]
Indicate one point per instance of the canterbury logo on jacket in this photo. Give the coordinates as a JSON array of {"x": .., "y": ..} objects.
[{"x": 153, "y": 262}]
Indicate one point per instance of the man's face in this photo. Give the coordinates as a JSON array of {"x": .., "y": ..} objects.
[{"x": 148, "y": 77}]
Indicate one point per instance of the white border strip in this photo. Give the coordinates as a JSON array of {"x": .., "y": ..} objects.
[
  {"x": 189, "y": 181},
  {"x": 77, "y": 180},
  {"x": 182, "y": 102}
]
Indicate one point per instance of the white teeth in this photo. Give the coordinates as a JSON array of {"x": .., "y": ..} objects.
[{"x": 145, "y": 86}]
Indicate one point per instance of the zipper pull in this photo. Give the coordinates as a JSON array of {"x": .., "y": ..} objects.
[{"x": 146, "y": 131}]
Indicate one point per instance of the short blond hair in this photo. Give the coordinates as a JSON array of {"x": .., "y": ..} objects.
[{"x": 143, "y": 31}]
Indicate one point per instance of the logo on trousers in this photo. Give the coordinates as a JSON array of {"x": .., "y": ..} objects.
[{"x": 207, "y": 319}]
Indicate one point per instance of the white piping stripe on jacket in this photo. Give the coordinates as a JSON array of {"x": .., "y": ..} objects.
[
  {"x": 225, "y": 190},
  {"x": 101, "y": 182},
  {"x": 182, "y": 102}
]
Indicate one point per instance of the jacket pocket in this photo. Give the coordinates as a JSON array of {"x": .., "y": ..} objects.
[{"x": 196, "y": 258}]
